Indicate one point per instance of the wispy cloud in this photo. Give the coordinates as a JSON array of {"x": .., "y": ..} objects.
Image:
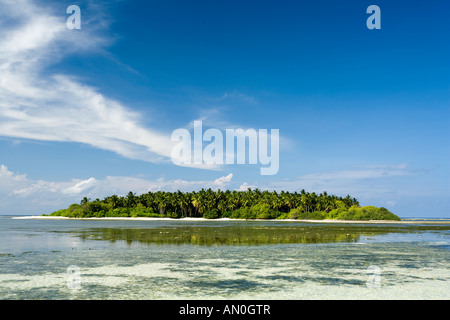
[
  {"x": 36, "y": 104},
  {"x": 357, "y": 180},
  {"x": 368, "y": 172},
  {"x": 236, "y": 96}
]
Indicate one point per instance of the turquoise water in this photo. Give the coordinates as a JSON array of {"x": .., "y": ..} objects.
[{"x": 91, "y": 259}]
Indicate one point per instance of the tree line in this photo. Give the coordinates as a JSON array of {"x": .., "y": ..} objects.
[{"x": 211, "y": 204}]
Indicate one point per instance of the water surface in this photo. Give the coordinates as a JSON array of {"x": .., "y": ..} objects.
[{"x": 173, "y": 259}]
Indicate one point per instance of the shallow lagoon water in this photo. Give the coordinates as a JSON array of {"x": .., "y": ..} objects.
[{"x": 170, "y": 259}]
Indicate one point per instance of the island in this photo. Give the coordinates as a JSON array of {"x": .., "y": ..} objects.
[{"x": 214, "y": 204}]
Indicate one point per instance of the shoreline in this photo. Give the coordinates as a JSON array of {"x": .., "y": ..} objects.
[{"x": 228, "y": 219}]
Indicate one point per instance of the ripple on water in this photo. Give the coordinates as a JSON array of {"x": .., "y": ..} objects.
[{"x": 273, "y": 269}]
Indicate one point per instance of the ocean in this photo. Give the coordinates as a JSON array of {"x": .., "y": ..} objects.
[{"x": 169, "y": 259}]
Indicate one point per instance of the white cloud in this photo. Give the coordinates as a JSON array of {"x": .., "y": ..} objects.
[
  {"x": 39, "y": 105},
  {"x": 223, "y": 180},
  {"x": 55, "y": 107},
  {"x": 6, "y": 175},
  {"x": 245, "y": 186},
  {"x": 81, "y": 186},
  {"x": 21, "y": 195}
]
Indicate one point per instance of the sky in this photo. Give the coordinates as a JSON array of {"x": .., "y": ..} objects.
[{"x": 90, "y": 112}]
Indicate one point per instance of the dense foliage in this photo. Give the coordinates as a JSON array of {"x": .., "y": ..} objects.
[{"x": 250, "y": 204}]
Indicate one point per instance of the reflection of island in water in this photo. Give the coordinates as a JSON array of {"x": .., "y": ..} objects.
[{"x": 234, "y": 235}]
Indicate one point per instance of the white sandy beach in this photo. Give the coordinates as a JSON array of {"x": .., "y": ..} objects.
[{"x": 228, "y": 219}]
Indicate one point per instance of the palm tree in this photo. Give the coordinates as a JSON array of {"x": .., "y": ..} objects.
[
  {"x": 197, "y": 203},
  {"x": 130, "y": 200},
  {"x": 85, "y": 201}
]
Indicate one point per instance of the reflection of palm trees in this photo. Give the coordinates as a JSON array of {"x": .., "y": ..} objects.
[{"x": 233, "y": 235}]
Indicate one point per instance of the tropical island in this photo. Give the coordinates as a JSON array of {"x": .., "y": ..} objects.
[{"x": 210, "y": 204}]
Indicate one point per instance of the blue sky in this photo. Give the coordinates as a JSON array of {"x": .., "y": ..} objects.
[{"x": 90, "y": 112}]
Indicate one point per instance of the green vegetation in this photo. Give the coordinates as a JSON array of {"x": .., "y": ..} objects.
[{"x": 209, "y": 204}]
